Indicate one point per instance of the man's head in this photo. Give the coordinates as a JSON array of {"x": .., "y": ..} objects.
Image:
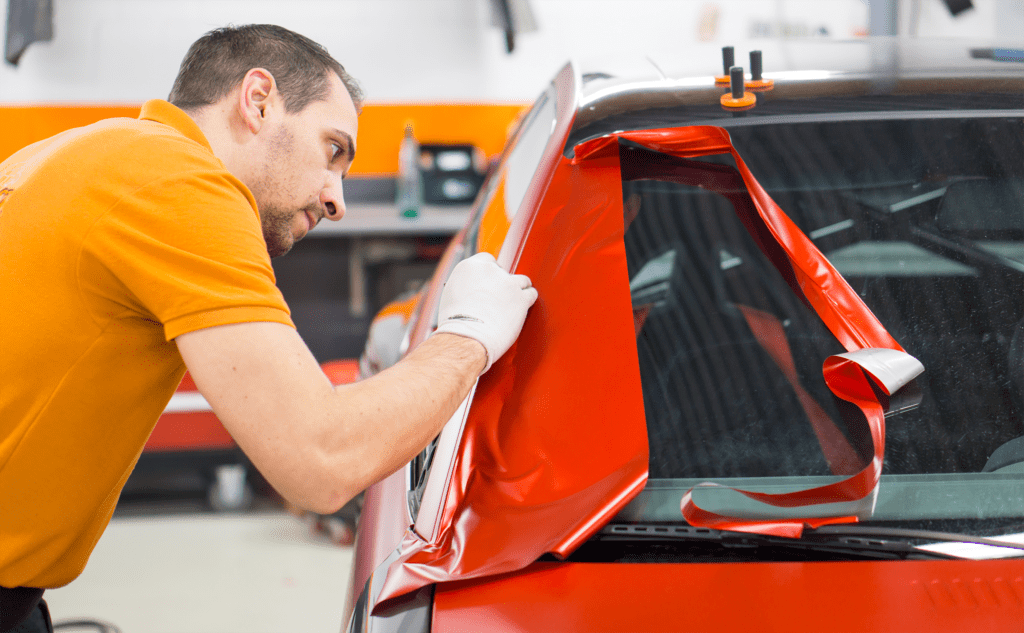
[{"x": 282, "y": 114}]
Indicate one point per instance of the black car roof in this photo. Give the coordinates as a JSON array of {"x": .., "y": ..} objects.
[{"x": 812, "y": 79}]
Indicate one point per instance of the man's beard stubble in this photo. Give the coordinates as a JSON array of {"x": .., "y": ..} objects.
[
  {"x": 275, "y": 221},
  {"x": 277, "y": 231},
  {"x": 277, "y": 226}
]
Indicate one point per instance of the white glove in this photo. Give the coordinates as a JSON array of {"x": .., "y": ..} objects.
[{"x": 486, "y": 303}]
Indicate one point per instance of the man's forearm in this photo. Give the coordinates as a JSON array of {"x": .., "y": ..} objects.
[
  {"x": 320, "y": 445},
  {"x": 392, "y": 416}
]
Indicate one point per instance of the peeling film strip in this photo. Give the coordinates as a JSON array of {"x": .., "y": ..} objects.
[{"x": 873, "y": 355}]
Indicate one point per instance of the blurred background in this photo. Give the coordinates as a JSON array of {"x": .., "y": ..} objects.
[{"x": 200, "y": 543}]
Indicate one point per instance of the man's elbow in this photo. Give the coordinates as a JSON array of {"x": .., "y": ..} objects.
[
  {"x": 327, "y": 500},
  {"x": 336, "y": 501},
  {"x": 338, "y": 484}
]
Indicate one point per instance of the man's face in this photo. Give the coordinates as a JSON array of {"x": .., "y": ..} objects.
[{"x": 305, "y": 157}]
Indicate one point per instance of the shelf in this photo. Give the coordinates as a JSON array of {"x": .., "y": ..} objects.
[{"x": 383, "y": 219}]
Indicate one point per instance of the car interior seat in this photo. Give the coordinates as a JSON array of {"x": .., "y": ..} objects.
[{"x": 718, "y": 403}]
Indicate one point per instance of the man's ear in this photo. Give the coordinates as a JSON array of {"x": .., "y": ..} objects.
[{"x": 258, "y": 94}]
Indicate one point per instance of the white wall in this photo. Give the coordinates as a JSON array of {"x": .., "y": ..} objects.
[
  {"x": 126, "y": 51},
  {"x": 931, "y": 18}
]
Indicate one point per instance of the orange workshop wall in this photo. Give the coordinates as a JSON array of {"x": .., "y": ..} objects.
[{"x": 381, "y": 127}]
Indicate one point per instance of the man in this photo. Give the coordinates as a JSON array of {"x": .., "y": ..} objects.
[{"x": 132, "y": 249}]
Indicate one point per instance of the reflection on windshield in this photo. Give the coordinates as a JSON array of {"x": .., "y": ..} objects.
[
  {"x": 730, "y": 359},
  {"x": 925, "y": 220}
]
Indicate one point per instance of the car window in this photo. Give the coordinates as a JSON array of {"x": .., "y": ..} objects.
[
  {"x": 424, "y": 323},
  {"x": 503, "y": 194},
  {"x": 925, "y": 219},
  {"x": 496, "y": 205}
]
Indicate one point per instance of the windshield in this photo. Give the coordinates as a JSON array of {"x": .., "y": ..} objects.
[{"x": 925, "y": 220}]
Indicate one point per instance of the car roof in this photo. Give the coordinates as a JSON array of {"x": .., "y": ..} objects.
[{"x": 810, "y": 77}]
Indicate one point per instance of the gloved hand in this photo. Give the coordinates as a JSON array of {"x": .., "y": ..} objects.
[{"x": 484, "y": 302}]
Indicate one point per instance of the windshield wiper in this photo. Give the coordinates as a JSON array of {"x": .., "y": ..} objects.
[
  {"x": 922, "y": 535},
  {"x": 813, "y": 540}
]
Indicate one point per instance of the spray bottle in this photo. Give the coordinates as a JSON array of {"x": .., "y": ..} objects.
[{"x": 409, "y": 196}]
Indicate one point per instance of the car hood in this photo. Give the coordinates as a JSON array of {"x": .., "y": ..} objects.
[{"x": 795, "y": 597}]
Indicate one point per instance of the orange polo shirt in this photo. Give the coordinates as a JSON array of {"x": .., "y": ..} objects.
[{"x": 114, "y": 239}]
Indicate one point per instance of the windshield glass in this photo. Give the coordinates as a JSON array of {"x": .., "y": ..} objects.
[{"x": 925, "y": 219}]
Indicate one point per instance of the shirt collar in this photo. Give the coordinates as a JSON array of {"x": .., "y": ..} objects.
[{"x": 163, "y": 112}]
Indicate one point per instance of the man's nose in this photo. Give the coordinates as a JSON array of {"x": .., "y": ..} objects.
[{"x": 332, "y": 199}]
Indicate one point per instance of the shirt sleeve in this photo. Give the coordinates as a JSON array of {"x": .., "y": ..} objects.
[{"x": 188, "y": 252}]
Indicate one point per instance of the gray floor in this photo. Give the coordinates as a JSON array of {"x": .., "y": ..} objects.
[{"x": 182, "y": 569}]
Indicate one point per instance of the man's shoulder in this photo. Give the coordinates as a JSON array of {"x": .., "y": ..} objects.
[
  {"x": 111, "y": 158},
  {"x": 142, "y": 145},
  {"x": 128, "y": 151}
]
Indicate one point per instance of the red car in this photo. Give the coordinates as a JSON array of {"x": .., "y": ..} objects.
[{"x": 774, "y": 380}]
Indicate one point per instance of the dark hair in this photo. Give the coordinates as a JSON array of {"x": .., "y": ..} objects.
[{"x": 219, "y": 60}]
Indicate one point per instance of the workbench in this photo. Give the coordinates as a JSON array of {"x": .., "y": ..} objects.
[{"x": 377, "y": 233}]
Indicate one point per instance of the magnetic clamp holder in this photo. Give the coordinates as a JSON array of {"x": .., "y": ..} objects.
[
  {"x": 758, "y": 83},
  {"x": 737, "y": 98},
  {"x": 728, "y": 59}
]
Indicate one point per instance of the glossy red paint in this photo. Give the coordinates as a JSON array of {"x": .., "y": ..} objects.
[
  {"x": 341, "y": 372},
  {"x": 555, "y": 443},
  {"x": 192, "y": 430},
  {"x": 852, "y": 597},
  {"x": 188, "y": 431}
]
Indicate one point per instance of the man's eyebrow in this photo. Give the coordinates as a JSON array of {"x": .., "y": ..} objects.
[{"x": 350, "y": 145}]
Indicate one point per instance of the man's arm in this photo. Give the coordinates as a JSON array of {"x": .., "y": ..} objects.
[{"x": 320, "y": 445}]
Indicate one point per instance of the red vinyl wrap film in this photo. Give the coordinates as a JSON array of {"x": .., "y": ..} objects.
[
  {"x": 555, "y": 443},
  {"x": 839, "y": 307}
]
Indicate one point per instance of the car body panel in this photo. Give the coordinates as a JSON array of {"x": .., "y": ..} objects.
[
  {"x": 794, "y": 597},
  {"x": 382, "y": 524},
  {"x": 799, "y": 68},
  {"x": 188, "y": 423}
]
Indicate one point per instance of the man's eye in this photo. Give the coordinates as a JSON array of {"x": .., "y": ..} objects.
[{"x": 336, "y": 151}]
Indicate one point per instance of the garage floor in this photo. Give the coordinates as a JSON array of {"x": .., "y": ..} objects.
[{"x": 178, "y": 568}]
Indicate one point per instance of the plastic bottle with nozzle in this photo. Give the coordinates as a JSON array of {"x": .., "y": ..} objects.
[{"x": 409, "y": 194}]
